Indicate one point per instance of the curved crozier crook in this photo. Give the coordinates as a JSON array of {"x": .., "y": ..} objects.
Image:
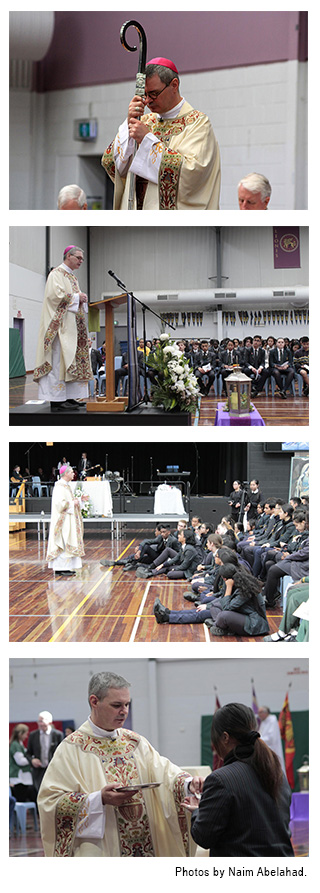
[{"x": 142, "y": 42}]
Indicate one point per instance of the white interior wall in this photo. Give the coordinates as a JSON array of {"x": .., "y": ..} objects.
[
  {"x": 170, "y": 259},
  {"x": 168, "y": 696},
  {"x": 258, "y": 114}
]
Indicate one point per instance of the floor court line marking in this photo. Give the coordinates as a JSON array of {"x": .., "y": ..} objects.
[
  {"x": 142, "y": 604},
  {"x": 75, "y": 611}
]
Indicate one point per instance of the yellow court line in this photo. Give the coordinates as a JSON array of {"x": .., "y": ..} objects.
[{"x": 84, "y": 600}]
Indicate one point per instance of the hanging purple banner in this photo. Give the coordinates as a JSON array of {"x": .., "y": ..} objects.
[{"x": 286, "y": 247}]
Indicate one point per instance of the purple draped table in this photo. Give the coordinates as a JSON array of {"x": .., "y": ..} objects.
[
  {"x": 299, "y": 810},
  {"x": 224, "y": 418}
]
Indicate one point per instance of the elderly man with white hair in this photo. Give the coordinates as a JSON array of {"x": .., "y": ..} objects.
[
  {"x": 72, "y": 198},
  {"x": 254, "y": 192},
  {"x": 65, "y": 543},
  {"x": 42, "y": 744}
]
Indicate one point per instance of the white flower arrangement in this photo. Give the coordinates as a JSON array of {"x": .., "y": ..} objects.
[
  {"x": 174, "y": 386},
  {"x": 86, "y": 506}
]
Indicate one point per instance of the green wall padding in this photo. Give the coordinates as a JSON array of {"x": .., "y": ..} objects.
[{"x": 16, "y": 361}]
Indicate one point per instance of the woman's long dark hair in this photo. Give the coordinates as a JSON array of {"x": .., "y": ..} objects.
[
  {"x": 228, "y": 556},
  {"x": 243, "y": 580},
  {"x": 240, "y": 723}
]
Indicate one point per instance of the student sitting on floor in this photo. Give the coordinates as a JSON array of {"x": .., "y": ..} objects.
[
  {"x": 177, "y": 565},
  {"x": 212, "y": 584},
  {"x": 240, "y": 611}
]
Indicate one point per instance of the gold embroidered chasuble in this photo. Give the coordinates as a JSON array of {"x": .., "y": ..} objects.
[
  {"x": 153, "y": 823},
  {"x": 66, "y": 528},
  {"x": 189, "y": 175},
  {"x": 69, "y": 327}
]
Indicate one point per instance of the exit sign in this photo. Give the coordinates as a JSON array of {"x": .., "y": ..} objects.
[{"x": 85, "y": 129}]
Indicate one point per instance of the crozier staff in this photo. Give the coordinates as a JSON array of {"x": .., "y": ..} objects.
[
  {"x": 84, "y": 812},
  {"x": 177, "y": 163},
  {"x": 244, "y": 808}
]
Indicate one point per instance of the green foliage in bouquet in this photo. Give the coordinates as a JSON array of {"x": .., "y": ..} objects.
[{"x": 175, "y": 386}]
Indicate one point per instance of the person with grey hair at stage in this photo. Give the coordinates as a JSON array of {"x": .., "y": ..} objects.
[
  {"x": 254, "y": 193},
  {"x": 72, "y": 198},
  {"x": 107, "y": 792},
  {"x": 62, "y": 367},
  {"x": 177, "y": 162}
]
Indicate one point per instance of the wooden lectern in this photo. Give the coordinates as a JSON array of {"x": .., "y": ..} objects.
[{"x": 109, "y": 403}]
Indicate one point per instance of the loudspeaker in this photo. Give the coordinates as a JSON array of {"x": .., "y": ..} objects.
[
  {"x": 37, "y": 504},
  {"x": 138, "y": 505},
  {"x": 209, "y": 508}
]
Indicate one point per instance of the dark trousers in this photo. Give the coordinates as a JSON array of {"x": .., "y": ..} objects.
[
  {"x": 289, "y": 374},
  {"x": 258, "y": 381},
  {"x": 205, "y": 380},
  {"x": 24, "y": 793},
  {"x": 119, "y": 373},
  {"x": 163, "y": 558},
  {"x": 147, "y": 554},
  {"x": 271, "y": 585}
]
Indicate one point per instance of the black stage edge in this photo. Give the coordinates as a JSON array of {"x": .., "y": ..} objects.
[{"x": 31, "y": 414}]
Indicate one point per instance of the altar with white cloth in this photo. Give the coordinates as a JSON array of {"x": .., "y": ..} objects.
[
  {"x": 99, "y": 493},
  {"x": 168, "y": 501}
]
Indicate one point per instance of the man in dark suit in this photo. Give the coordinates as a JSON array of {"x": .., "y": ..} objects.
[
  {"x": 84, "y": 465},
  {"x": 42, "y": 744},
  {"x": 254, "y": 365},
  {"x": 228, "y": 358},
  {"x": 281, "y": 364},
  {"x": 205, "y": 362}
]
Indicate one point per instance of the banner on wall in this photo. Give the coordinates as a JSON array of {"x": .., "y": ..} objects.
[{"x": 286, "y": 247}]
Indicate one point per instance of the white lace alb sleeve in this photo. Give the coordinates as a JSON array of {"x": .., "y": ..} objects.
[
  {"x": 146, "y": 161},
  {"x": 92, "y": 819}
]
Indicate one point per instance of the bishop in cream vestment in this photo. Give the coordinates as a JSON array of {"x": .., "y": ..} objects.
[
  {"x": 65, "y": 543},
  {"x": 62, "y": 366},
  {"x": 177, "y": 162}
]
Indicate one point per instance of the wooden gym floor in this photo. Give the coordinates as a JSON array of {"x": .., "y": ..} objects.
[
  {"x": 274, "y": 410},
  {"x": 99, "y": 604},
  {"x": 30, "y": 844}
]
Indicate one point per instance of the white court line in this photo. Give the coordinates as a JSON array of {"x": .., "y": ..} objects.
[{"x": 142, "y": 604}]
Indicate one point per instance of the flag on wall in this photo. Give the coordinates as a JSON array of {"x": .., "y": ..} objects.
[
  {"x": 217, "y": 761},
  {"x": 286, "y": 732},
  {"x": 286, "y": 247},
  {"x": 255, "y": 707}
]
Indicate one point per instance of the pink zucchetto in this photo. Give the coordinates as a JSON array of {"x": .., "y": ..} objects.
[
  {"x": 160, "y": 60},
  {"x": 63, "y": 469},
  {"x": 68, "y": 249}
]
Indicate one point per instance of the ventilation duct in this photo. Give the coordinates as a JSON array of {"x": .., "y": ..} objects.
[{"x": 30, "y": 35}]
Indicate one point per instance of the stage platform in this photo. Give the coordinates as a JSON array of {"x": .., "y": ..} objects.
[
  {"x": 38, "y": 414},
  {"x": 117, "y": 522}
]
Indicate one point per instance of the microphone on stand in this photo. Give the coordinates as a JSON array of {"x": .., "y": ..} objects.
[{"x": 118, "y": 281}]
